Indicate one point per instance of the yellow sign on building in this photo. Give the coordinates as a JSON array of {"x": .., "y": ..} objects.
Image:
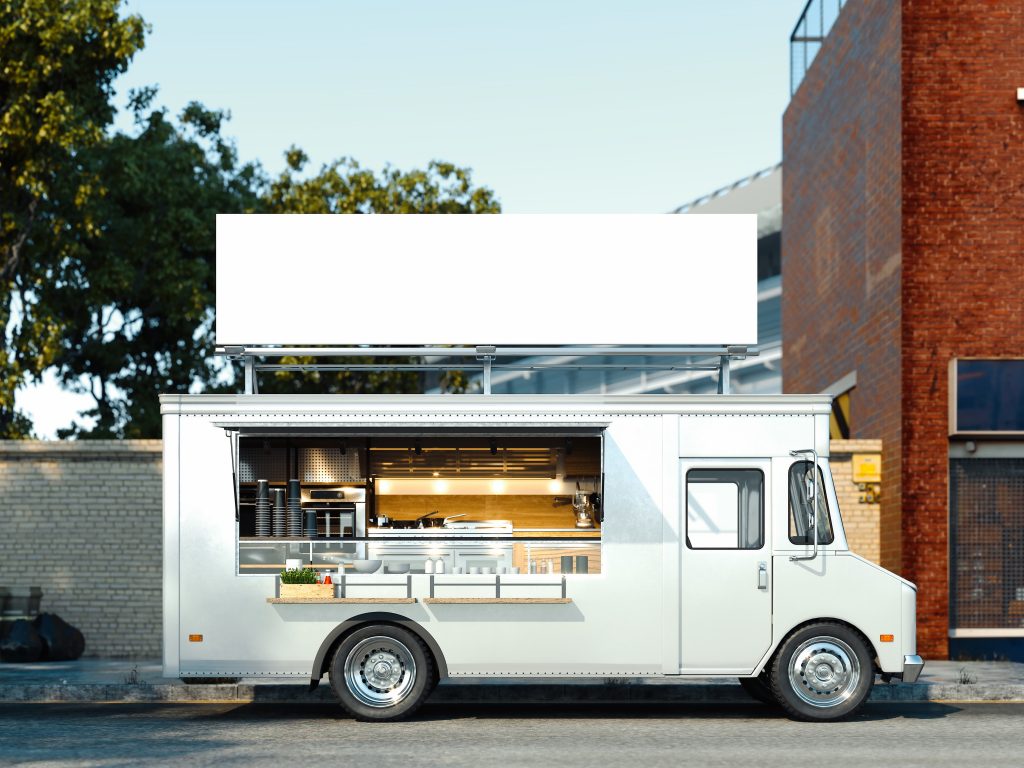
[{"x": 867, "y": 468}]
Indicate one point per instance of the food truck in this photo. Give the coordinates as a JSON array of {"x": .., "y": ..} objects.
[{"x": 539, "y": 536}]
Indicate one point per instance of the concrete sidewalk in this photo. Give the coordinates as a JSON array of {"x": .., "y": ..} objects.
[{"x": 104, "y": 680}]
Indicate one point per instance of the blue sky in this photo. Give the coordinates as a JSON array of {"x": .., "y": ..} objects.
[{"x": 558, "y": 106}]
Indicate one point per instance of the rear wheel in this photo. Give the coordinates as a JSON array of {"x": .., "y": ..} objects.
[
  {"x": 759, "y": 688},
  {"x": 823, "y": 671},
  {"x": 382, "y": 672}
]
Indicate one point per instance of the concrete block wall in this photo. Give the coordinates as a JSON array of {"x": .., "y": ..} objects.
[
  {"x": 82, "y": 520},
  {"x": 861, "y": 521}
]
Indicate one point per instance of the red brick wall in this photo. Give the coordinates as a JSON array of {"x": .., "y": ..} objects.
[
  {"x": 841, "y": 234},
  {"x": 963, "y": 248}
]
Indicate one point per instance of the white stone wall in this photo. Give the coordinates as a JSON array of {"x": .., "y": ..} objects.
[{"x": 82, "y": 520}]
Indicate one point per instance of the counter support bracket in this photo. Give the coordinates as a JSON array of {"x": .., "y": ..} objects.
[{"x": 408, "y": 585}]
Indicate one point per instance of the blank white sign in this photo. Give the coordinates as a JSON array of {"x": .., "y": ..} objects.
[{"x": 505, "y": 280}]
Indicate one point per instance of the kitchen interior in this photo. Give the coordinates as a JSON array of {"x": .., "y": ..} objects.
[{"x": 424, "y": 503}]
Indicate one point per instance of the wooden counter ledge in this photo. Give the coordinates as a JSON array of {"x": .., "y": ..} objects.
[
  {"x": 497, "y": 600},
  {"x": 350, "y": 600}
]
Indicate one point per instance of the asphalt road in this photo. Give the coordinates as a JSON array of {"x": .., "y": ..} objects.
[{"x": 525, "y": 735}]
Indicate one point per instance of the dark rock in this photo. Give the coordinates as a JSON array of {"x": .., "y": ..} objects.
[
  {"x": 61, "y": 641},
  {"x": 22, "y": 643}
]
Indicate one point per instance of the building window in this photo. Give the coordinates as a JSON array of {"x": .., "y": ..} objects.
[
  {"x": 987, "y": 396},
  {"x": 987, "y": 543}
]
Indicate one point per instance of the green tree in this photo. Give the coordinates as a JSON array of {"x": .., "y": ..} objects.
[
  {"x": 344, "y": 187},
  {"x": 58, "y": 60},
  {"x": 107, "y": 239},
  {"x": 136, "y": 302}
]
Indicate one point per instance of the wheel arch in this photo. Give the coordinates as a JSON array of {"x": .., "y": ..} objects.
[
  {"x": 337, "y": 634},
  {"x": 763, "y": 664}
]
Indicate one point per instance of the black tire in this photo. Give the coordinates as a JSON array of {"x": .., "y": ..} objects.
[
  {"x": 823, "y": 671},
  {"x": 382, "y": 672},
  {"x": 760, "y": 689}
]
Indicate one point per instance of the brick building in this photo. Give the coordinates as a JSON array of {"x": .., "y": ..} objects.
[
  {"x": 82, "y": 520},
  {"x": 903, "y": 150}
]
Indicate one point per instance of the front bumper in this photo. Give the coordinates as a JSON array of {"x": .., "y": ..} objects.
[{"x": 912, "y": 666}]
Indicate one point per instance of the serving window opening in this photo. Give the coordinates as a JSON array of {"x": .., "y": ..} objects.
[{"x": 489, "y": 503}]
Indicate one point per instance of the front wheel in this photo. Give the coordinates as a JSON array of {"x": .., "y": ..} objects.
[
  {"x": 823, "y": 671},
  {"x": 382, "y": 672}
]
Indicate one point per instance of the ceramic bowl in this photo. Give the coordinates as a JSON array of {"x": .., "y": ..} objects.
[{"x": 366, "y": 566}]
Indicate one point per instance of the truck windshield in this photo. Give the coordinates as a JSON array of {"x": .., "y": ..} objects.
[{"x": 801, "y": 506}]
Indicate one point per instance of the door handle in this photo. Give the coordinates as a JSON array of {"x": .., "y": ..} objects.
[{"x": 762, "y": 575}]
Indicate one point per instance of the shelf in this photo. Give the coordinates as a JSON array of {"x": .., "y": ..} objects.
[
  {"x": 296, "y": 540},
  {"x": 304, "y": 484},
  {"x": 497, "y": 600},
  {"x": 282, "y": 566},
  {"x": 350, "y": 600}
]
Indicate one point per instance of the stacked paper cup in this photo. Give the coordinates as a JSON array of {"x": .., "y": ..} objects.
[
  {"x": 294, "y": 509},
  {"x": 262, "y": 508},
  {"x": 280, "y": 524}
]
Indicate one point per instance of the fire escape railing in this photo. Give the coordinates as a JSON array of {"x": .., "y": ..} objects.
[{"x": 808, "y": 35}]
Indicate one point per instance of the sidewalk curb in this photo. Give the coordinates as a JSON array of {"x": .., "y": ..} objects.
[{"x": 489, "y": 693}]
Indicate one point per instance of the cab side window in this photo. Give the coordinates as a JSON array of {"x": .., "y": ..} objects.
[
  {"x": 801, "y": 506},
  {"x": 725, "y": 509}
]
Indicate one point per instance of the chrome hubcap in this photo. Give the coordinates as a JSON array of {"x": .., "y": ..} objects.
[
  {"x": 380, "y": 671},
  {"x": 824, "y": 671}
]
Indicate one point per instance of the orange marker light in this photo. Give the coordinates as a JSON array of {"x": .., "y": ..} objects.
[
  {"x": 887, "y": 638},
  {"x": 195, "y": 638}
]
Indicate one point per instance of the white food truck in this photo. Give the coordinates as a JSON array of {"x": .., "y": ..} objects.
[
  {"x": 695, "y": 552},
  {"x": 482, "y": 535}
]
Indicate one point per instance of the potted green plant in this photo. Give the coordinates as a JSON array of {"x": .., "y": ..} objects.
[{"x": 302, "y": 585}]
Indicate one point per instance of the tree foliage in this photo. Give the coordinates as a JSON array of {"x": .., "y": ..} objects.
[
  {"x": 58, "y": 60},
  {"x": 344, "y": 187},
  {"x": 136, "y": 303},
  {"x": 107, "y": 238}
]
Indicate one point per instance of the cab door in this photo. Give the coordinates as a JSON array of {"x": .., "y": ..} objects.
[{"x": 726, "y": 589}]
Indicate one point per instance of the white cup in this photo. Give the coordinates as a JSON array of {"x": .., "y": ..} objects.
[
  {"x": 474, "y": 569},
  {"x": 458, "y": 569}
]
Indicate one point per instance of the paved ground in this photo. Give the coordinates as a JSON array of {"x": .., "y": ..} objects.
[
  {"x": 931, "y": 735},
  {"x": 101, "y": 680}
]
